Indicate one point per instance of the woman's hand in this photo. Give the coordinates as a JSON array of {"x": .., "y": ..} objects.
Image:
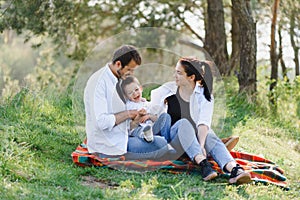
[
  {"x": 201, "y": 135},
  {"x": 204, "y": 151}
]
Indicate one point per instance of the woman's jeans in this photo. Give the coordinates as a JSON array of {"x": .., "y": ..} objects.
[{"x": 182, "y": 138}]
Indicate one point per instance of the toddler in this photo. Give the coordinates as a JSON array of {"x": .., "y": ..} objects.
[{"x": 134, "y": 100}]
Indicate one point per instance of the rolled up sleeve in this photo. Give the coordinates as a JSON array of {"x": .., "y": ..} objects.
[
  {"x": 159, "y": 94},
  {"x": 206, "y": 112}
]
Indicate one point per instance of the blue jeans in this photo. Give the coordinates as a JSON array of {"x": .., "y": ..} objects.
[
  {"x": 160, "y": 127},
  {"x": 217, "y": 149},
  {"x": 139, "y": 149},
  {"x": 183, "y": 138}
]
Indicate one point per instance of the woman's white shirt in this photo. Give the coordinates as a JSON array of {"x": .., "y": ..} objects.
[{"x": 201, "y": 109}]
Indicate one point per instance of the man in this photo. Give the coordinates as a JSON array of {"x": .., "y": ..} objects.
[{"x": 106, "y": 115}]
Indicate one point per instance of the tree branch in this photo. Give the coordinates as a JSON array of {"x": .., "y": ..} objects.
[
  {"x": 192, "y": 30},
  {"x": 2, "y": 14},
  {"x": 185, "y": 23}
]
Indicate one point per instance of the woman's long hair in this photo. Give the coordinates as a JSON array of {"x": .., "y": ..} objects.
[{"x": 202, "y": 73}]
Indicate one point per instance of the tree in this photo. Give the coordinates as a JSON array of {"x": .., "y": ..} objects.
[
  {"x": 273, "y": 54},
  {"x": 290, "y": 22},
  {"x": 72, "y": 25},
  {"x": 293, "y": 41},
  {"x": 247, "y": 33},
  {"x": 235, "y": 39},
  {"x": 75, "y": 26},
  {"x": 215, "y": 37},
  {"x": 280, "y": 54}
]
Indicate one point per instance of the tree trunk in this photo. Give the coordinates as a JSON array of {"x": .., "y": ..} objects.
[
  {"x": 280, "y": 56},
  {"x": 215, "y": 36},
  {"x": 8, "y": 36},
  {"x": 273, "y": 54},
  {"x": 292, "y": 36},
  {"x": 247, "y": 27},
  {"x": 235, "y": 37}
]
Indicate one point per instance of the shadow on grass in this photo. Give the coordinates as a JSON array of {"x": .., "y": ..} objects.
[{"x": 239, "y": 110}]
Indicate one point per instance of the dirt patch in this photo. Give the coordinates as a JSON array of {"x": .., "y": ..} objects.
[{"x": 100, "y": 183}]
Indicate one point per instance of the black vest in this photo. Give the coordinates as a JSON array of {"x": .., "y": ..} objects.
[{"x": 179, "y": 109}]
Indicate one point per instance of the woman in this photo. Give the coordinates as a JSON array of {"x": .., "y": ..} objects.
[{"x": 192, "y": 93}]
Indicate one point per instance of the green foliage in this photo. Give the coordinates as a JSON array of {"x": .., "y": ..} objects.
[
  {"x": 147, "y": 90},
  {"x": 75, "y": 26},
  {"x": 51, "y": 72},
  {"x": 285, "y": 112},
  {"x": 71, "y": 25},
  {"x": 37, "y": 69}
]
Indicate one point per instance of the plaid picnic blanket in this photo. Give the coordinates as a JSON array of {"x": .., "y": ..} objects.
[{"x": 261, "y": 170}]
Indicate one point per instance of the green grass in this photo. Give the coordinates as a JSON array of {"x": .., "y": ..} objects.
[{"x": 38, "y": 135}]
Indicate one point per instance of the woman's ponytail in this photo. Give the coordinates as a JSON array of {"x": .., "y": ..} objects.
[
  {"x": 202, "y": 72},
  {"x": 207, "y": 80}
]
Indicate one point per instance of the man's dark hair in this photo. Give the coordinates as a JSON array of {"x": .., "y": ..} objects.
[{"x": 125, "y": 54}]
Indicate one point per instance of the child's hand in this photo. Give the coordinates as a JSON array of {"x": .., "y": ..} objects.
[
  {"x": 132, "y": 114},
  {"x": 142, "y": 111},
  {"x": 136, "y": 120},
  {"x": 144, "y": 118}
]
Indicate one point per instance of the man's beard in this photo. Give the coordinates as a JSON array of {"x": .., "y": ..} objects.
[
  {"x": 119, "y": 74},
  {"x": 122, "y": 76}
]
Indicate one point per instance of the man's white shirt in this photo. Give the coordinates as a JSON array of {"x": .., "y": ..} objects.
[{"x": 101, "y": 103}]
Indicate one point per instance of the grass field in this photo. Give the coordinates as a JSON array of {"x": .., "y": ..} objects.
[{"x": 38, "y": 135}]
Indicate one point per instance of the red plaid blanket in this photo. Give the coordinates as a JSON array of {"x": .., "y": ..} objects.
[{"x": 261, "y": 169}]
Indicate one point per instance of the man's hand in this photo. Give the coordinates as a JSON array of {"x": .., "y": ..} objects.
[
  {"x": 136, "y": 120},
  {"x": 132, "y": 114},
  {"x": 124, "y": 115}
]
